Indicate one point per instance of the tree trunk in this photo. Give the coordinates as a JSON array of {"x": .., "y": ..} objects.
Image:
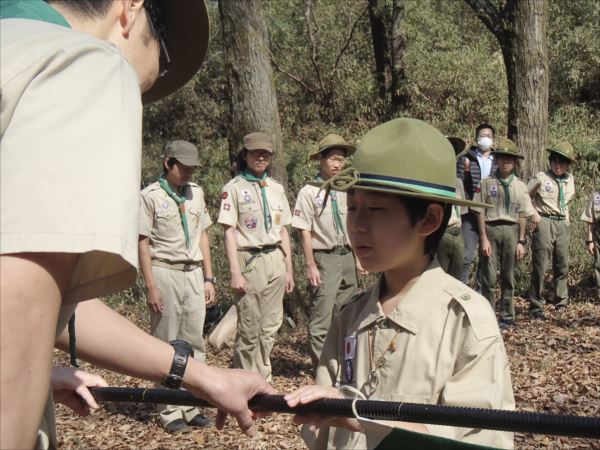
[
  {"x": 250, "y": 76},
  {"x": 380, "y": 47},
  {"x": 398, "y": 86}
]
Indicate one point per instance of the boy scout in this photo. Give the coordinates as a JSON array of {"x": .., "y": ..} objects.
[
  {"x": 502, "y": 228},
  {"x": 419, "y": 335},
  {"x": 450, "y": 252},
  {"x": 254, "y": 213},
  {"x": 551, "y": 192},
  {"x": 71, "y": 77},
  {"x": 329, "y": 259},
  {"x": 591, "y": 216},
  {"x": 174, "y": 251}
]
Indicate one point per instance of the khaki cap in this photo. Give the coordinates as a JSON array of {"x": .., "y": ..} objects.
[
  {"x": 564, "y": 149},
  {"x": 333, "y": 141},
  {"x": 183, "y": 151},
  {"x": 258, "y": 141},
  {"x": 187, "y": 32},
  {"x": 406, "y": 157},
  {"x": 457, "y": 144},
  {"x": 507, "y": 147}
]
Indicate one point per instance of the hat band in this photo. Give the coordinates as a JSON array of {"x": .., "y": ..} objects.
[{"x": 406, "y": 184}]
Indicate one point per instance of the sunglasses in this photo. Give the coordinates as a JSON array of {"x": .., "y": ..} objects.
[{"x": 156, "y": 23}]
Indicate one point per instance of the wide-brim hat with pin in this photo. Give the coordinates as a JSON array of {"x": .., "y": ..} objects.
[
  {"x": 333, "y": 141},
  {"x": 507, "y": 147},
  {"x": 405, "y": 157},
  {"x": 564, "y": 149},
  {"x": 187, "y": 32},
  {"x": 457, "y": 144}
]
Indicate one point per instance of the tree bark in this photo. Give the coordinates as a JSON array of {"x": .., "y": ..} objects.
[
  {"x": 521, "y": 31},
  {"x": 380, "y": 47},
  {"x": 398, "y": 86},
  {"x": 253, "y": 99}
]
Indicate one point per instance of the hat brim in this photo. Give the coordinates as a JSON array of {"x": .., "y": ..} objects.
[
  {"x": 348, "y": 148},
  {"x": 187, "y": 30},
  {"x": 457, "y": 144},
  {"x": 500, "y": 152},
  {"x": 564, "y": 155}
]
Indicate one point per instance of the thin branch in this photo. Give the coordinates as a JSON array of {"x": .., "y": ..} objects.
[
  {"x": 310, "y": 25},
  {"x": 348, "y": 40},
  {"x": 489, "y": 15},
  {"x": 297, "y": 79}
]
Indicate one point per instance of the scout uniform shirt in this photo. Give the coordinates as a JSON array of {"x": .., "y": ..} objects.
[
  {"x": 457, "y": 211},
  {"x": 242, "y": 207},
  {"x": 440, "y": 345},
  {"x": 310, "y": 215},
  {"x": 591, "y": 214},
  {"x": 160, "y": 220},
  {"x": 547, "y": 198},
  {"x": 507, "y": 209}
]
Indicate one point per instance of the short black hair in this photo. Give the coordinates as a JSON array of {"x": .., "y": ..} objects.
[
  {"x": 170, "y": 163},
  {"x": 558, "y": 158},
  {"x": 417, "y": 208},
  {"x": 483, "y": 126},
  {"x": 325, "y": 153},
  {"x": 85, "y": 8}
]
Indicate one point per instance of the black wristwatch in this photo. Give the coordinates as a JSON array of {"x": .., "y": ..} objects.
[
  {"x": 212, "y": 280},
  {"x": 183, "y": 351},
  {"x": 522, "y": 242}
]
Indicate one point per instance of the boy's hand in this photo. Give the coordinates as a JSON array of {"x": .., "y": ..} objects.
[
  {"x": 534, "y": 221},
  {"x": 238, "y": 283},
  {"x": 70, "y": 387},
  {"x": 590, "y": 248},
  {"x": 486, "y": 247},
  {"x": 308, "y": 394},
  {"x": 313, "y": 275},
  {"x": 209, "y": 293},
  {"x": 289, "y": 282},
  {"x": 154, "y": 301},
  {"x": 520, "y": 251}
]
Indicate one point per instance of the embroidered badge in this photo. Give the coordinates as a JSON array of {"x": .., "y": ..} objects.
[
  {"x": 349, "y": 347},
  {"x": 277, "y": 219},
  {"x": 246, "y": 195},
  {"x": 224, "y": 195},
  {"x": 548, "y": 186},
  {"x": 226, "y": 206},
  {"x": 297, "y": 212},
  {"x": 164, "y": 205},
  {"x": 494, "y": 190},
  {"x": 348, "y": 370},
  {"x": 250, "y": 222},
  {"x": 319, "y": 200},
  {"x": 597, "y": 199}
]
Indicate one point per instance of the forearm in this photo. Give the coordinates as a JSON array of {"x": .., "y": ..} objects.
[
  {"x": 287, "y": 248},
  {"x": 481, "y": 225},
  {"x": 108, "y": 340},
  {"x": 306, "y": 240},
  {"x": 206, "y": 256},
  {"x": 522, "y": 228},
  {"x": 146, "y": 261},
  {"x": 590, "y": 232},
  {"x": 231, "y": 249}
]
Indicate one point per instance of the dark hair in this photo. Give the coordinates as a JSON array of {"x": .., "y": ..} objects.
[
  {"x": 483, "y": 126},
  {"x": 85, "y": 8},
  {"x": 325, "y": 153},
  {"x": 170, "y": 163},
  {"x": 558, "y": 158},
  {"x": 240, "y": 164},
  {"x": 417, "y": 208}
]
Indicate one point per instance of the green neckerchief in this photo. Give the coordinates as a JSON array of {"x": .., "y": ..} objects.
[
  {"x": 506, "y": 185},
  {"x": 31, "y": 9},
  {"x": 337, "y": 216},
  {"x": 180, "y": 200},
  {"x": 262, "y": 182},
  {"x": 562, "y": 204}
]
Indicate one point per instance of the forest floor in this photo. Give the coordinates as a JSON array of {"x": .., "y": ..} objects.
[{"x": 555, "y": 368}]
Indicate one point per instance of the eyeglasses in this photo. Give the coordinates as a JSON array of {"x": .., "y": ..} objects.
[{"x": 155, "y": 22}]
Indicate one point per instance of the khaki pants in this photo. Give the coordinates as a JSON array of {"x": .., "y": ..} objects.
[
  {"x": 550, "y": 240},
  {"x": 182, "y": 319},
  {"x": 338, "y": 285},
  {"x": 260, "y": 311},
  {"x": 450, "y": 253},
  {"x": 503, "y": 237}
]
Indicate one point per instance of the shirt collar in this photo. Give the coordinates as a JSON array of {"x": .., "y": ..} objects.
[{"x": 31, "y": 9}]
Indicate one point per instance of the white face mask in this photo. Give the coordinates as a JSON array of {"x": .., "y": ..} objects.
[{"x": 484, "y": 142}]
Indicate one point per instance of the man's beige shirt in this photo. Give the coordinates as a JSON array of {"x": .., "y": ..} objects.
[
  {"x": 448, "y": 350},
  {"x": 545, "y": 199},
  {"x": 71, "y": 132},
  {"x": 310, "y": 215},
  {"x": 591, "y": 214},
  {"x": 457, "y": 211},
  {"x": 241, "y": 207},
  {"x": 161, "y": 222},
  {"x": 492, "y": 193}
]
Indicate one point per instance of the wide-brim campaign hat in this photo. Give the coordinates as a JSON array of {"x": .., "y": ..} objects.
[
  {"x": 507, "y": 147},
  {"x": 333, "y": 141},
  {"x": 405, "y": 157},
  {"x": 457, "y": 143},
  {"x": 187, "y": 32},
  {"x": 564, "y": 149}
]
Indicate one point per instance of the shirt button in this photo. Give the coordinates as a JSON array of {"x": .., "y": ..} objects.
[{"x": 465, "y": 296}]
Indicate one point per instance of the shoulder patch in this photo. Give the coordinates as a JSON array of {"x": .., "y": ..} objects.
[{"x": 476, "y": 307}]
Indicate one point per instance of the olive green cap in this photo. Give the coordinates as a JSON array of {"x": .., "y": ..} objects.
[
  {"x": 258, "y": 141},
  {"x": 507, "y": 147},
  {"x": 457, "y": 144},
  {"x": 563, "y": 149},
  {"x": 183, "y": 151},
  {"x": 406, "y": 157},
  {"x": 333, "y": 141}
]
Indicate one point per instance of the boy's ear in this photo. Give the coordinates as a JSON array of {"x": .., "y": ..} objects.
[{"x": 432, "y": 220}]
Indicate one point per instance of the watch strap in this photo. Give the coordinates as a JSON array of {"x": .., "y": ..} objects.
[{"x": 183, "y": 350}]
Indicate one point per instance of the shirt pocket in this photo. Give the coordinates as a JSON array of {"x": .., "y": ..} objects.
[
  {"x": 166, "y": 219},
  {"x": 195, "y": 215},
  {"x": 277, "y": 214}
]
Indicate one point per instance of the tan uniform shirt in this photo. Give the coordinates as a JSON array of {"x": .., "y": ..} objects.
[
  {"x": 457, "y": 211},
  {"x": 310, "y": 215},
  {"x": 492, "y": 192},
  {"x": 241, "y": 207},
  {"x": 591, "y": 214},
  {"x": 447, "y": 350},
  {"x": 545, "y": 200},
  {"x": 71, "y": 131},
  {"x": 161, "y": 222}
]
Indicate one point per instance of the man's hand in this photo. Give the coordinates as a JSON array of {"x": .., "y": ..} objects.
[
  {"x": 521, "y": 250},
  {"x": 313, "y": 274},
  {"x": 238, "y": 283},
  {"x": 289, "y": 282},
  {"x": 209, "y": 293},
  {"x": 534, "y": 221},
  {"x": 70, "y": 387},
  {"x": 153, "y": 300},
  {"x": 486, "y": 247}
]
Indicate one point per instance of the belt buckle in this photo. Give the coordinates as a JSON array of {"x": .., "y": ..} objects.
[{"x": 187, "y": 267}]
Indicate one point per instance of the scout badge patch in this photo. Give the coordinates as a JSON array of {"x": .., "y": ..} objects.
[
  {"x": 246, "y": 196},
  {"x": 548, "y": 187},
  {"x": 250, "y": 222},
  {"x": 349, "y": 355},
  {"x": 494, "y": 190}
]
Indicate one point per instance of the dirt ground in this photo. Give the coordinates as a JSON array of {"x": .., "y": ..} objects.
[{"x": 555, "y": 367}]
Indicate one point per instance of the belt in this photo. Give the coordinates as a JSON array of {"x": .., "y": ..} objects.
[
  {"x": 184, "y": 267},
  {"x": 454, "y": 231},
  {"x": 553, "y": 217},
  {"x": 338, "y": 250},
  {"x": 263, "y": 250}
]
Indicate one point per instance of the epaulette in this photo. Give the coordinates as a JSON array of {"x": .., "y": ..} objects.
[
  {"x": 477, "y": 308},
  {"x": 151, "y": 187}
]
